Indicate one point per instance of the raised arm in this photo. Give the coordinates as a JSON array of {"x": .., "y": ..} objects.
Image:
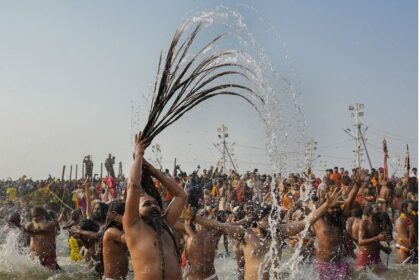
[
  {"x": 134, "y": 189},
  {"x": 236, "y": 232},
  {"x": 359, "y": 179},
  {"x": 294, "y": 228},
  {"x": 87, "y": 197},
  {"x": 174, "y": 210},
  {"x": 91, "y": 235}
]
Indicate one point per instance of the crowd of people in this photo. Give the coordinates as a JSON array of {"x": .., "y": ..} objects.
[{"x": 168, "y": 226}]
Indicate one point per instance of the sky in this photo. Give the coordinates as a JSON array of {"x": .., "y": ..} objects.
[{"x": 70, "y": 72}]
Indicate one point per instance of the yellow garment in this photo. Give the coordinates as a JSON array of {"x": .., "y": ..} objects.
[
  {"x": 11, "y": 194},
  {"x": 374, "y": 182},
  {"x": 74, "y": 250},
  {"x": 214, "y": 191}
]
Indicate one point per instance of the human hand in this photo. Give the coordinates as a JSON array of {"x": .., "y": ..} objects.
[
  {"x": 335, "y": 198},
  {"x": 140, "y": 145},
  {"x": 360, "y": 176},
  {"x": 115, "y": 217},
  {"x": 187, "y": 213},
  {"x": 381, "y": 237},
  {"x": 74, "y": 231}
]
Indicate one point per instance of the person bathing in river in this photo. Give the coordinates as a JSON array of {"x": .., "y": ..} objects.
[
  {"x": 42, "y": 237},
  {"x": 114, "y": 248},
  {"x": 330, "y": 232},
  {"x": 148, "y": 231},
  {"x": 372, "y": 231},
  {"x": 200, "y": 247},
  {"x": 256, "y": 241},
  {"x": 406, "y": 240}
]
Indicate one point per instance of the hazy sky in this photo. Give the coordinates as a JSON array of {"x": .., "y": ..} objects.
[{"x": 70, "y": 70}]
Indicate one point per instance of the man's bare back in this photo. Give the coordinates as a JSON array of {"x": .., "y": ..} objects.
[
  {"x": 115, "y": 254},
  {"x": 201, "y": 247}
]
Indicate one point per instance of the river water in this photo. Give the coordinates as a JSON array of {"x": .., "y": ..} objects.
[
  {"x": 285, "y": 126},
  {"x": 19, "y": 265}
]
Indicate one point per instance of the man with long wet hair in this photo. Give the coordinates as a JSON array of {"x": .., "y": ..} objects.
[
  {"x": 148, "y": 231},
  {"x": 114, "y": 253},
  {"x": 406, "y": 240}
]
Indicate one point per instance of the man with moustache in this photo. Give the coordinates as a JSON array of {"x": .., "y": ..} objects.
[{"x": 148, "y": 231}]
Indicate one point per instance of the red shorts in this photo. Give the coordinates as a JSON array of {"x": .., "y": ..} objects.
[
  {"x": 365, "y": 259},
  {"x": 50, "y": 261}
]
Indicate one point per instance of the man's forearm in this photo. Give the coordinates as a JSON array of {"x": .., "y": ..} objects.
[
  {"x": 135, "y": 171},
  {"x": 318, "y": 213},
  {"x": 365, "y": 242},
  {"x": 231, "y": 230},
  {"x": 88, "y": 234},
  {"x": 350, "y": 199},
  {"x": 169, "y": 184}
]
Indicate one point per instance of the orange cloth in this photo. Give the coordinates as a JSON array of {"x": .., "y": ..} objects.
[
  {"x": 214, "y": 191},
  {"x": 336, "y": 177},
  {"x": 287, "y": 202}
]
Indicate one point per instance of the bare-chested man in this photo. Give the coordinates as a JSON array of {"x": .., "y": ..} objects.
[
  {"x": 330, "y": 232},
  {"x": 148, "y": 232},
  {"x": 42, "y": 234},
  {"x": 200, "y": 247},
  {"x": 371, "y": 233},
  {"x": 353, "y": 223},
  {"x": 257, "y": 240},
  {"x": 385, "y": 195},
  {"x": 406, "y": 241},
  {"x": 114, "y": 247}
]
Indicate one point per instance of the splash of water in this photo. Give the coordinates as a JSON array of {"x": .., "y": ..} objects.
[{"x": 15, "y": 261}]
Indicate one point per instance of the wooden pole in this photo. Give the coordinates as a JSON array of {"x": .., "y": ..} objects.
[
  {"x": 63, "y": 185},
  {"x": 102, "y": 167},
  {"x": 83, "y": 171},
  {"x": 71, "y": 172},
  {"x": 120, "y": 170},
  {"x": 76, "y": 173},
  {"x": 174, "y": 171},
  {"x": 62, "y": 174}
]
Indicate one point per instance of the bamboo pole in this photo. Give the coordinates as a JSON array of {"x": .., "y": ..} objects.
[
  {"x": 71, "y": 172},
  {"x": 76, "y": 173}
]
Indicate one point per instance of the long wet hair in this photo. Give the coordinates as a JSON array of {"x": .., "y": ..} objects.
[
  {"x": 149, "y": 187},
  {"x": 156, "y": 221},
  {"x": 103, "y": 210},
  {"x": 89, "y": 225},
  {"x": 116, "y": 207}
]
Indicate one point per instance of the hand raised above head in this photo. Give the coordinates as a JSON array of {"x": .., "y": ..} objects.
[
  {"x": 360, "y": 176},
  {"x": 139, "y": 144},
  {"x": 335, "y": 198},
  {"x": 115, "y": 217},
  {"x": 187, "y": 213}
]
